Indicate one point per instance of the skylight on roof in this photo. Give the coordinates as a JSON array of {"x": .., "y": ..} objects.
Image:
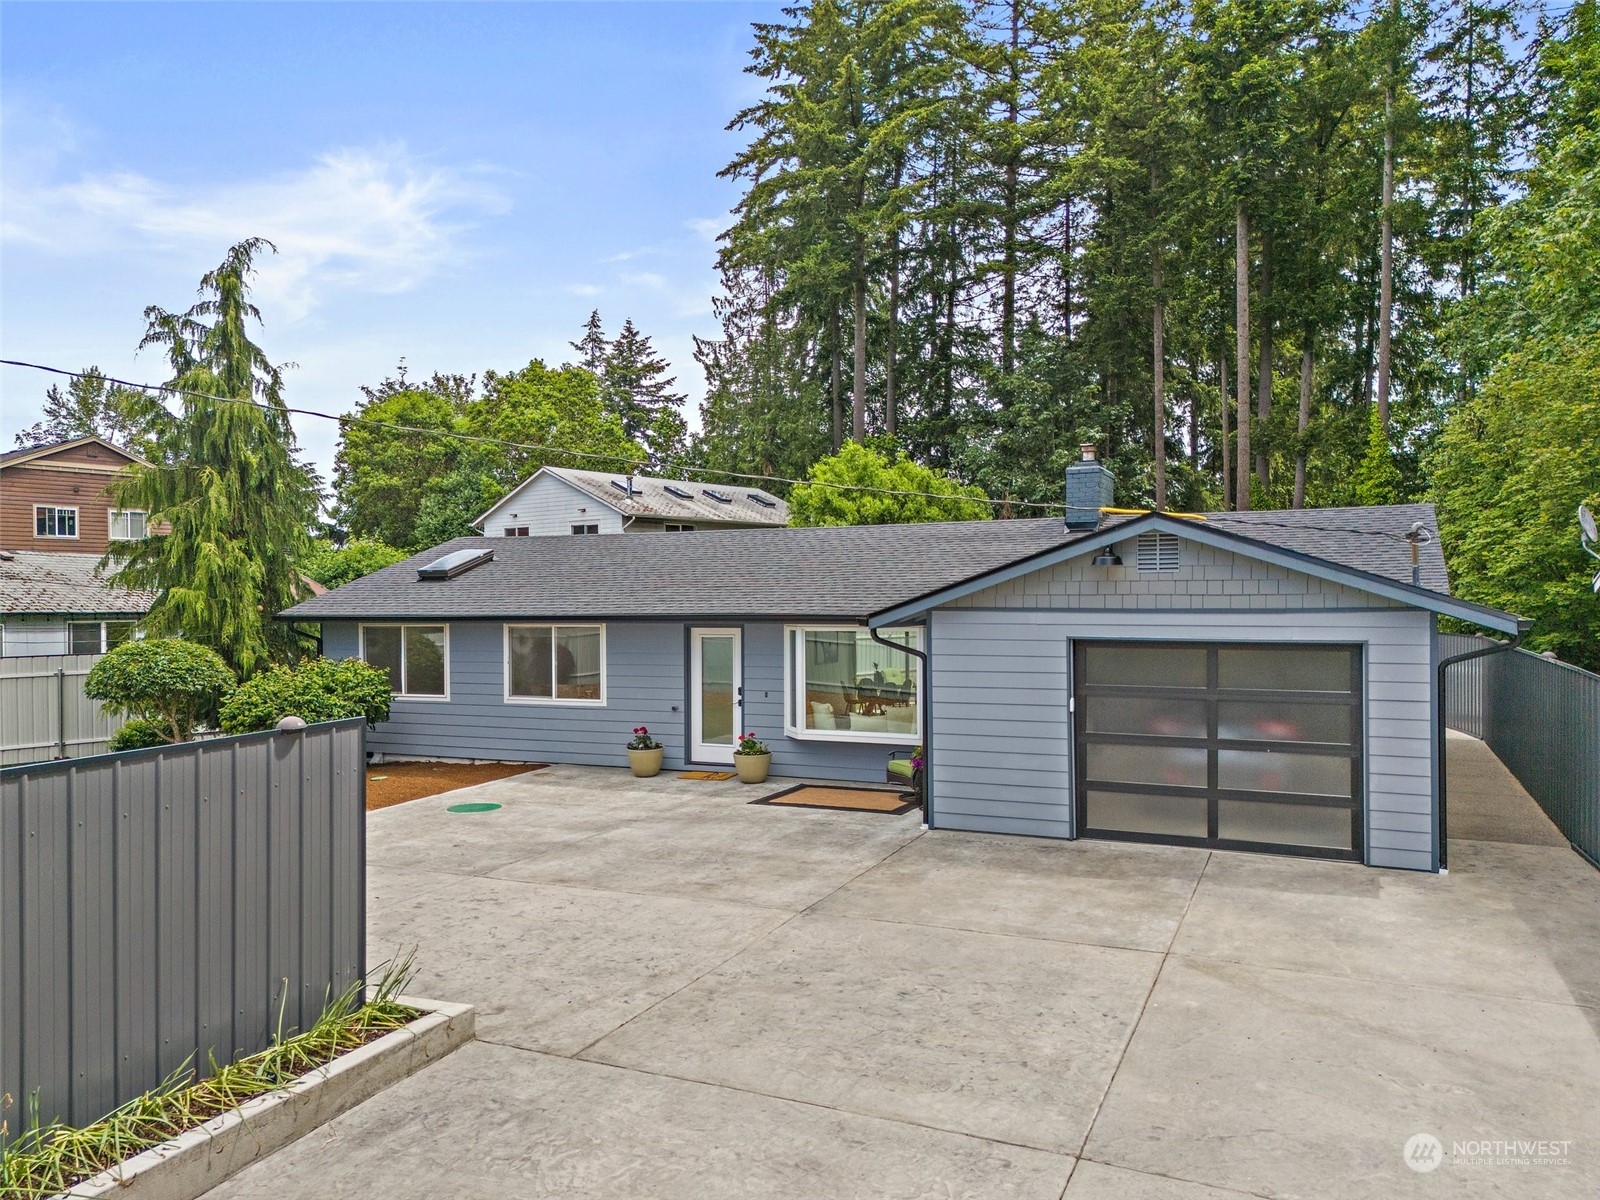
[
  {"x": 764, "y": 501},
  {"x": 719, "y": 497},
  {"x": 680, "y": 493},
  {"x": 621, "y": 487},
  {"x": 457, "y": 562}
]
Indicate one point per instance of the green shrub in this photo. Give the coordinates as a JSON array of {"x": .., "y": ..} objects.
[
  {"x": 317, "y": 689},
  {"x": 139, "y": 733},
  {"x": 173, "y": 685}
]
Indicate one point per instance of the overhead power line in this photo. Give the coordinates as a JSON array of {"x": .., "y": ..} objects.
[{"x": 535, "y": 447}]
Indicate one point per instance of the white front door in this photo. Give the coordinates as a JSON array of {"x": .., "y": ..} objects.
[{"x": 715, "y": 694}]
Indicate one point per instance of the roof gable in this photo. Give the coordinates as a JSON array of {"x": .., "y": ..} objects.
[
  {"x": 1224, "y": 534},
  {"x": 35, "y": 454}
]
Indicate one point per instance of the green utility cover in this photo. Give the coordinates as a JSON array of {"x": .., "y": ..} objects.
[{"x": 472, "y": 808}]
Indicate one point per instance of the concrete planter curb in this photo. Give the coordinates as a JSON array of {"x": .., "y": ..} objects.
[{"x": 197, "y": 1161}]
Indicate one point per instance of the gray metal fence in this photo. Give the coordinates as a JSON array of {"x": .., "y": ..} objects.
[
  {"x": 44, "y": 713},
  {"x": 163, "y": 905},
  {"x": 1542, "y": 719}
]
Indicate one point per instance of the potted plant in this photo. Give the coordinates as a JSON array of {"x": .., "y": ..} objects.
[
  {"x": 644, "y": 753},
  {"x": 752, "y": 759}
]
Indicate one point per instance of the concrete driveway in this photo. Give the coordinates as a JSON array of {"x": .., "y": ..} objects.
[{"x": 682, "y": 995}]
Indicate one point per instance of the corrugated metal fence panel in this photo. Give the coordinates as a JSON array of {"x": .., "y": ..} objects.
[
  {"x": 163, "y": 906},
  {"x": 44, "y": 713},
  {"x": 1542, "y": 720}
]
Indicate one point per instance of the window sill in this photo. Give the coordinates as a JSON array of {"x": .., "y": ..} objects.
[
  {"x": 869, "y": 736},
  {"x": 412, "y": 696},
  {"x": 554, "y": 702}
]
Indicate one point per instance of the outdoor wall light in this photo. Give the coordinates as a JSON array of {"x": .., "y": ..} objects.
[{"x": 1108, "y": 558}]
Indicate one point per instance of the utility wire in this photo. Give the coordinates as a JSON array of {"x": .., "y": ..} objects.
[{"x": 532, "y": 446}]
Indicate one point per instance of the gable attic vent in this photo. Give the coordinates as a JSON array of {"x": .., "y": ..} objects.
[
  {"x": 1158, "y": 552},
  {"x": 457, "y": 562}
]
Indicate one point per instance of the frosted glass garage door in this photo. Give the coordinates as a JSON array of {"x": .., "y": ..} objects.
[{"x": 1253, "y": 747}]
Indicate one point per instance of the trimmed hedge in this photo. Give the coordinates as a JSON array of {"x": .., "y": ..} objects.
[{"x": 315, "y": 689}]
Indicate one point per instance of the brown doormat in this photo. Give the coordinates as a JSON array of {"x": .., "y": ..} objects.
[
  {"x": 809, "y": 795},
  {"x": 707, "y": 774}
]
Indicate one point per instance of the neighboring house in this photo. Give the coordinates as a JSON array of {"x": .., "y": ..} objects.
[
  {"x": 1261, "y": 680},
  {"x": 58, "y": 604},
  {"x": 559, "y": 500},
  {"x": 58, "y": 498},
  {"x": 57, "y": 519}
]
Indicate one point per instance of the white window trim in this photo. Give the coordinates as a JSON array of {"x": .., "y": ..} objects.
[
  {"x": 792, "y": 728},
  {"x": 402, "y": 626},
  {"x": 111, "y": 519},
  {"x": 77, "y": 522},
  {"x": 556, "y": 701}
]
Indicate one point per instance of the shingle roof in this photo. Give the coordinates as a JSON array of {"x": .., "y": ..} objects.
[
  {"x": 832, "y": 572},
  {"x": 33, "y": 581},
  {"x": 652, "y": 498}
]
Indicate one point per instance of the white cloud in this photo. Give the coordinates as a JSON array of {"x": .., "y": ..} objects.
[
  {"x": 706, "y": 228},
  {"x": 584, "y": 289},
  {"x": 370, "y": 220}
]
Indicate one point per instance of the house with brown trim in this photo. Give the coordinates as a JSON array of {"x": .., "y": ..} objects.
[{"x": 58, "y": 517}]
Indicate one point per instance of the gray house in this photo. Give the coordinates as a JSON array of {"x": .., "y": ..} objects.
[
  {"x": 562, "y": 500},
  {"x": 1261, "y": 680}
]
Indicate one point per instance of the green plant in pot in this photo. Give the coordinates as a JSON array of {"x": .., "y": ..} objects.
[
  {"x": 644, "y": 753},
  {"x": 752, "y": 759}
]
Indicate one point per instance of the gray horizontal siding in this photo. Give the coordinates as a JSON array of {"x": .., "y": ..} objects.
[
  {"x": 645, "y": 685},
  {"x": 550, "y": 506},
  {"x": 1007, "y": 767}
]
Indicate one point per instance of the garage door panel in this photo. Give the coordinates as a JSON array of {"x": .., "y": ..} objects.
[{"x": 1244, "y": 746}]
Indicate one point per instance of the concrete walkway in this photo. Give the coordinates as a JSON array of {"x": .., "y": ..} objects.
[{"x": 682, "y": 995}]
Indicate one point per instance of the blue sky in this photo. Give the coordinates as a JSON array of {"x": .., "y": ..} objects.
[{"x": 458, "y": 184}]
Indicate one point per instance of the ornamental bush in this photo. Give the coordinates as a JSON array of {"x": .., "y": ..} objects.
[
  {"x": 173, "y": 685},
  {"x": 316, "y": 689},
  {"x": 137, "y": 734}
]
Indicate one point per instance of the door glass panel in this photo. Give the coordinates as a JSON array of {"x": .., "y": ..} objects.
[
  {"x": 1152, "y": 716},
  {"x": 1174, "y": 766},
  {"x": 1170, "y": 816},
  {"x": 1257, "y": 721},
  {"x": 1285, "y": 824},
  {"x": 1278, "y": 771},
  {"x": 716, "y": 691},
  {"x": 1124, "y": 665},
  {"x": 1284, "y": 669}
]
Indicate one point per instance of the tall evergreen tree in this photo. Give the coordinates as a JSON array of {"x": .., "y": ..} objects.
[{"x": 225, "y": 480}]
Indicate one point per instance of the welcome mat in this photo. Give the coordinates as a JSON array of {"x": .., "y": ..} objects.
[
  {"x": 810, "y": 795},
  {"x": 707, "y": 774}
]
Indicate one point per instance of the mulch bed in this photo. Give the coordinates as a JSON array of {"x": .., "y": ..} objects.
[
  {"x": 395, "y": 783},
  {"x": 807, "y": 795}
]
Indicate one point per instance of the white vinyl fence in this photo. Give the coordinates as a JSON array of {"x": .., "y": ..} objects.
[{"x": 44, "y": 713}]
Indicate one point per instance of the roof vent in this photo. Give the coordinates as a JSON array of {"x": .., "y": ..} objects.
[
  {"x": 719, "y": 497},
  {"x": 764, "y": 501},
  {"x": 680, "y": 493},
  {"x": 457, "y": 562}
]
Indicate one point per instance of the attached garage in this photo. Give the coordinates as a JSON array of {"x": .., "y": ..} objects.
[{"x": 1240, "y": 746}]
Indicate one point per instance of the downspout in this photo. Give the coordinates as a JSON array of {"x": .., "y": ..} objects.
[
  {"x": 925, "y": 704},
  {"x": 1439, "y": 747}
]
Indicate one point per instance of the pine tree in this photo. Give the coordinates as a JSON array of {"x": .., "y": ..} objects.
[
  {"x": 637, "y": 389},
  {"x": 225, "y": 480}
]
